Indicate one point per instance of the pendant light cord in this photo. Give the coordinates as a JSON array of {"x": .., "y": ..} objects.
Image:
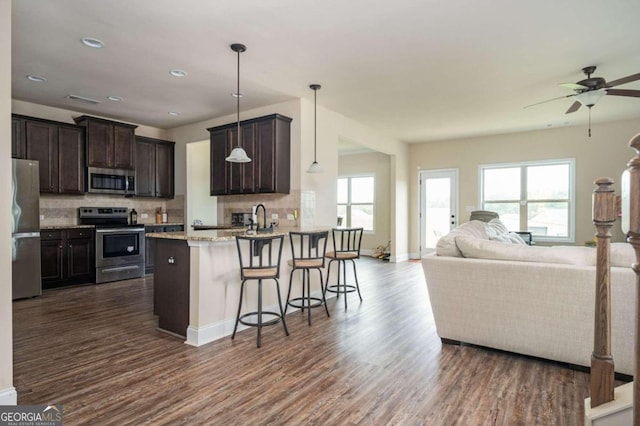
[
  {"x": 315, "y": 124},
  {"x": 238, "y": 99}
]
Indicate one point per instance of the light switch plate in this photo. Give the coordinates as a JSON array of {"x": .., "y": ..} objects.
[
  {"x": 289, "y": 216},
  {"x": 143, "y": 215},
  {"x": 274, "y": 215},
  {"x": 41, "y": 217}
]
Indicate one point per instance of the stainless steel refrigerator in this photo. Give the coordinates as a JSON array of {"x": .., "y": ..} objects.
[{"x": 25, "y": 229}]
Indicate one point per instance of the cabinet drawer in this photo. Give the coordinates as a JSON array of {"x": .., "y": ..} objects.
[
  {"x": 152, "y": 228},
  {"x": 79, "y": 233},
  {"x": 50, "y": 234}
]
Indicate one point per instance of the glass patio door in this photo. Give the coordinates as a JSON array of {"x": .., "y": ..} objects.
[{"x": 438, "y": 206}]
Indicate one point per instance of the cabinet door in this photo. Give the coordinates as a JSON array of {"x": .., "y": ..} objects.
[
  {"x": 123, "y": 146},
  {"x": 42, "y": 145},
  {"x": 171, "y": 285},
  {"x": 145, "y": 168},
  {"x": 265, "y": 160},
  {"x": 71, "y": 145},
  {"x": 51, "y": 261},
  {"x": 80, "y": 259},
  {"x": 100, "y": 144},
  {"x": 18, "y": 142},
  {"x": 164, "y": 170},
  {"x": 218, "y": 148},
  {"x": 149, "y": 253}
]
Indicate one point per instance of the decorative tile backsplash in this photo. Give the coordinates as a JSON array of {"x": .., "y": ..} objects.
[
  {"x": 62, "y": 210},
  {"x": 282, "y": 204}
]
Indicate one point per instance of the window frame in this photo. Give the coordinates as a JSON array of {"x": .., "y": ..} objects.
[
  {"x": 347, "y": 219},
  {"x": 523, "y": 165}
]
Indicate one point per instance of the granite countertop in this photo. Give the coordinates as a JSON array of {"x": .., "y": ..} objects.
[
  {"x": 220, "y": 235},
  {"x": 162, "y": 224},
  {"x": 51, "y": 228}
]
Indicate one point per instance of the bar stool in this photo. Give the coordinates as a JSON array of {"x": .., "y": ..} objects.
[
  {"x": 307, "y": 253},
  {"x": 346, "y": 246},
  {"x": 263, "y": 254}
]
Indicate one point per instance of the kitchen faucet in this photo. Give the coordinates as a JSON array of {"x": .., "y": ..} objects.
[{"x": 264, "y": 216}]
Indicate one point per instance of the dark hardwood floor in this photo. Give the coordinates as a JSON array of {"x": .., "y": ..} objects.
[{"x": 95, "y": 350}]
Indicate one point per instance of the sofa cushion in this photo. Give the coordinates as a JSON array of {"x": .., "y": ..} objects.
[
  {"x": 496, "y": 230},
  {"x": 498, "y": 250},
  {"x": 622, "y": 255},
  {"x": 446, "y": 245}
]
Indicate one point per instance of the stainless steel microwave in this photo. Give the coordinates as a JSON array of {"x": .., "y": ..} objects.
[{"x": 111, "y": 181}]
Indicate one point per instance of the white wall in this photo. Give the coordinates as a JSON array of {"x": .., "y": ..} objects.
[
  {"x": 7, "y": 392},
  {"x": 604, "y": 154},
  {"x": 378, "y": 165},
  {"x": 199, "y": 204}
]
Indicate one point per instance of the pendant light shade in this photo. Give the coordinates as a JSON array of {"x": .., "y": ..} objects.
[
  {"x": 315, "y": 167},
  {"x": 238, "y": 154}
]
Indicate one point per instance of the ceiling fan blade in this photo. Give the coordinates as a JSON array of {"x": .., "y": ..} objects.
[
  {"x": 549, "y": 100},
  {"x": 574, "y": 107},
  {"x": 623, "y": 80},
  {"x": 573, "y": 86},
  {"x": 624, "y": 92}
]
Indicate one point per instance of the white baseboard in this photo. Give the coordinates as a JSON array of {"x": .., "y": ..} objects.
[
  {"x": 198, "y": 336},
  {"x": 614, "y": 413},
  {"x": 402, "y": 257},
  {"x": 8, "y": 396}
]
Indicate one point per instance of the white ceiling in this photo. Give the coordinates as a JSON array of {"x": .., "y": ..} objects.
[{"x": 417, "y": 70}]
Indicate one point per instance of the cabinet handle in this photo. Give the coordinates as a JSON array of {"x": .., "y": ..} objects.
[{"x": 171, "y": 260}]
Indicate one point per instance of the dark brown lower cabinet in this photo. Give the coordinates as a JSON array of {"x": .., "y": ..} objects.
[
  {"x": 150, "y": 243},
  {"x": 67, "y": 257},
  {"x": 171, "y": 285}
]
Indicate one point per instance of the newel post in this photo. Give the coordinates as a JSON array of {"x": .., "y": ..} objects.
[
  {"x": 631, "y": 227},
  {"x": 602, "y": 367}
]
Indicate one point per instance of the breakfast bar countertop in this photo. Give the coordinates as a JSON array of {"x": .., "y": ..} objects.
[{"x": 220, "y": 235}]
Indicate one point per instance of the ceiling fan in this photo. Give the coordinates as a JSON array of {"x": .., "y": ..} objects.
[{"x": 588, "y": 91}]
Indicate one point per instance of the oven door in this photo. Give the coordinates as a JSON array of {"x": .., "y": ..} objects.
[{"x": 119, "y": 246}]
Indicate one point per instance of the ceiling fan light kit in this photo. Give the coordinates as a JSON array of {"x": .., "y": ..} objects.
[
  {"x": 589, "y": 91},
  {"x": 238, "y": 154},
  {"x": 315, "y": 167}
]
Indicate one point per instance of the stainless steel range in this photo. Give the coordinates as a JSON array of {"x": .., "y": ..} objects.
[{"x": 119, "y": 246}]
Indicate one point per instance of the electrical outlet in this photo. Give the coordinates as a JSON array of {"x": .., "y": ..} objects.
[
  {"x": 143, "y": 215},
  {"x": 290, "y": 216},
  {"x": 274, "y": 215},
  {"x": 41, "y": 217}
]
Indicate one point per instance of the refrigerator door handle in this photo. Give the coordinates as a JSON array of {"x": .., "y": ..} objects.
[{"x": 26, "y": 235}]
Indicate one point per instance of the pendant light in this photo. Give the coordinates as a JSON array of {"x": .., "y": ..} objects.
[
  {"x": 238, "y": 155},
  {"x": 315, "y": 167}
]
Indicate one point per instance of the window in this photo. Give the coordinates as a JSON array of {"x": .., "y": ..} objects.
[
  {"x": 355, "y": 201},
  {"x": 535, "y": 196}
]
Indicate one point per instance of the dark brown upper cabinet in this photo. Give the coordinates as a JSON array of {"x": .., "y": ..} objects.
[
  {"x": 59, "y": 149},
  {"x": 154, "y": 167},
  {"x": 267, "y": 141},
  {"x": 109, "y": 144},
  {"x": 18, "y": 142}
]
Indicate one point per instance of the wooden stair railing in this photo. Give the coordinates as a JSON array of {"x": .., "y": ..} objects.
[
  {"x": 631, "y": 227},
  {"x": 602, "y": 367}
]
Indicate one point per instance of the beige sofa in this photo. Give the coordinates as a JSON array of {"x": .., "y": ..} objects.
[{"x": 536, "y": 301}]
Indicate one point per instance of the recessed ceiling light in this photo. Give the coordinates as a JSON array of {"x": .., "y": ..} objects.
[
  {"x": 36, "y": 78},
  {"x": 237, "y": 94},
  {"x": 178, "y": 73},
  {"x": 174, "y": 113},
  {"x": 92, "y": 42},
  {"x": 114, "y": 98}
]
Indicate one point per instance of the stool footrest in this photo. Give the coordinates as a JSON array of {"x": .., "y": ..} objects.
[
  {"x": 340, "y": 288},
  {"x": 301, "y": 305},
  {"x": 271, "y": 321}
]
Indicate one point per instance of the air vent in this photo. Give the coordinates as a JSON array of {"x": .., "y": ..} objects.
[{"x": 83, "y": 99}]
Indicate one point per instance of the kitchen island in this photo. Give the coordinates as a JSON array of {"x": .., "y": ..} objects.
[{"x": 197, "y": 283}]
